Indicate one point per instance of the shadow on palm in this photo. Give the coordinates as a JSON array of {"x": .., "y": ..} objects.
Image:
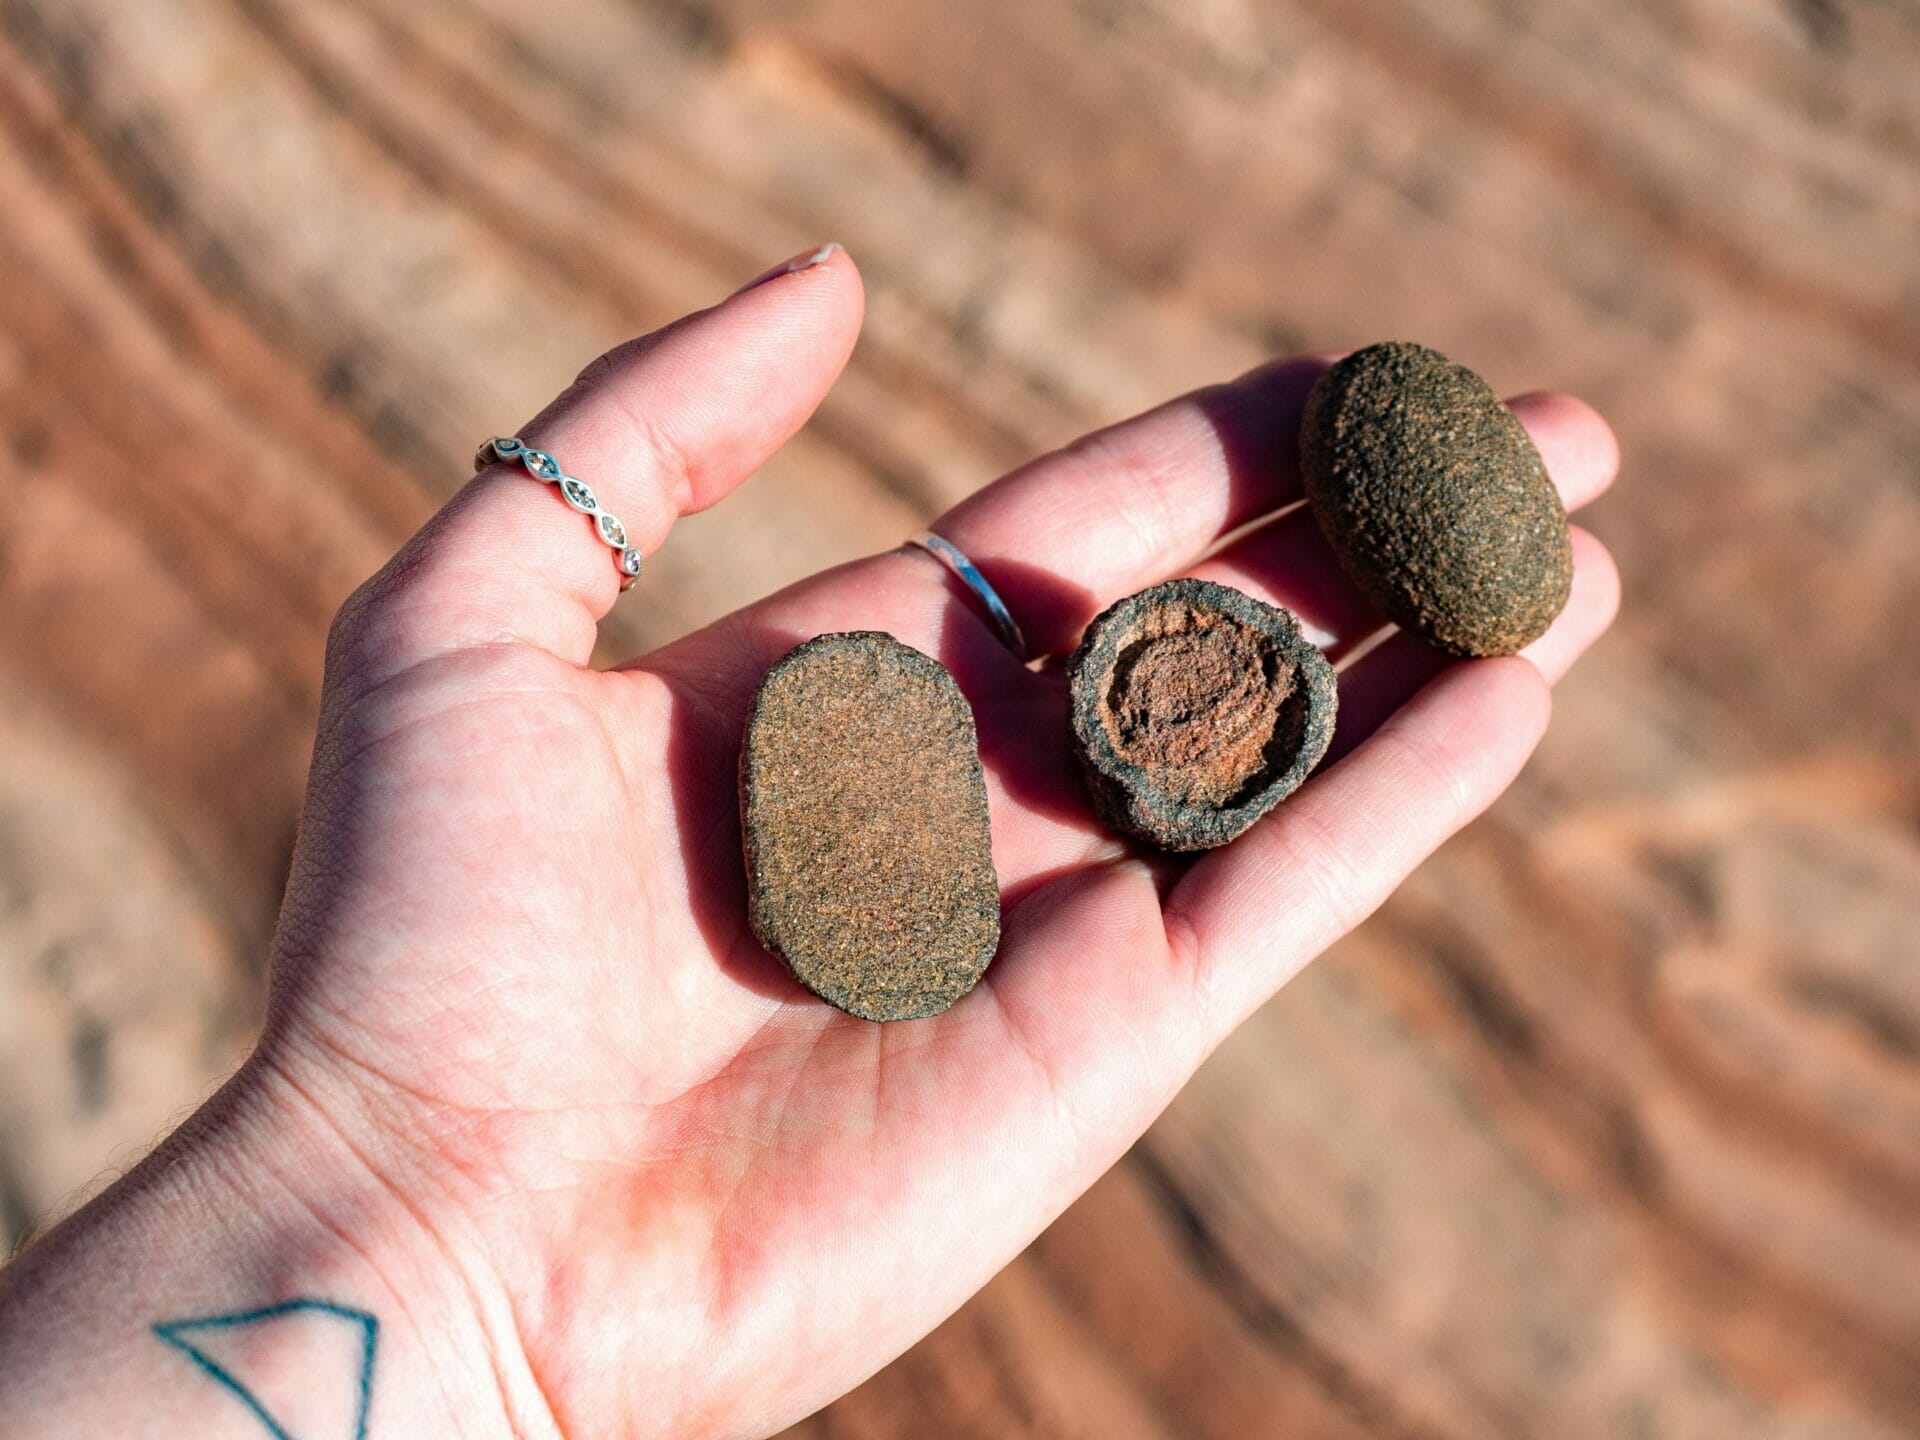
[{"x": 1044, "y": 830}]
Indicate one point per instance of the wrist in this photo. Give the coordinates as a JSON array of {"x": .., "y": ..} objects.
[{"x": 262, "y": 1261}]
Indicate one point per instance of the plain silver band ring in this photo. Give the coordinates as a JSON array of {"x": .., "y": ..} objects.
[{"x": 997, "y": 612}]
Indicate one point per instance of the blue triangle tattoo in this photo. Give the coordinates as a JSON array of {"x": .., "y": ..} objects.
[{"x": 176, "y": 1333}]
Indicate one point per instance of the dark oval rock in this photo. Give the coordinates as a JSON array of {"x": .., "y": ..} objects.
[
  {"x": 1435, "y": 500},
  {"x": 863, "y": 816},
  {"x": 1196, "y": 709}
]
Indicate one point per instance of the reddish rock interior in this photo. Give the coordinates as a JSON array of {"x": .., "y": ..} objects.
[{"x": 1196, "y": 704}]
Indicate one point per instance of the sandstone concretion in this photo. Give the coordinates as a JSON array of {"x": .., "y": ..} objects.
[
  {"x": 1195, "y": 710},
  {"x": 864, "y": 825},
  {"x": 1435, "y": 500}
]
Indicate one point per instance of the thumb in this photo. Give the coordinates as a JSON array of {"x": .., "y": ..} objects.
[{"x": 659, "y": 427}]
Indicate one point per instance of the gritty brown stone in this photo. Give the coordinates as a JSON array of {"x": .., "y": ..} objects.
[
  {"x": 1196, "y": 709},
  {"x": 1435, "y": 500},
  {"x": 863, "y": 816}
]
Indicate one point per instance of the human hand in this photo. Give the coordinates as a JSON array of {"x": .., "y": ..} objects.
[{"x": 617, "y": 1172}]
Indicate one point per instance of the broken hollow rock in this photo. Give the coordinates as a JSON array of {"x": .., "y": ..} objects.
[
  {"x": 1196, "y": 709},
  {"x": 863, "y": 814}
]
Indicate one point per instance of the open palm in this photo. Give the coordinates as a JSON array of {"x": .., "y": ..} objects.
[{"x": 685, "y": 1196}]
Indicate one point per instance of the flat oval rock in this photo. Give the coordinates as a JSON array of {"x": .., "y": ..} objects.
[
  {"x": 863, "y": 815},
  {"x": 1435, "y": 500},
  {"x": 1196, "y": 709}
]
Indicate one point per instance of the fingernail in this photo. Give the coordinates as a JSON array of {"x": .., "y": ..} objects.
[{"x": 806, "y": 260}]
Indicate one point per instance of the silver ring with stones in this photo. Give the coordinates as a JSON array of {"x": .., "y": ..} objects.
[
  {"x": 1002, "y": 618},
  {"x": 575, "y": 492}
]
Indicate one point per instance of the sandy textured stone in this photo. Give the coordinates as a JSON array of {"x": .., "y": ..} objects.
[
  {"x": 1435, "y": 500},
  {"x": 1196, "y": 709},
  {"x": 864, "y": 824}
]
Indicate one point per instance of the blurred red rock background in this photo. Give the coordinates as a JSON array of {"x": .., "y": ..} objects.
[{"x": 1609, "y": 1125}]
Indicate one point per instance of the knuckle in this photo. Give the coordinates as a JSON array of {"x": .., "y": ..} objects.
[
  {"x": 1343, "y": 889},
  {"x": 373, "y": 625},
  {"x": 609, "y": 363},
  {"x": 677, "y": 470}
]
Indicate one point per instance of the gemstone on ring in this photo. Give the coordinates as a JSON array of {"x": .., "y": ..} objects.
[{"x": 577, "y": 493}]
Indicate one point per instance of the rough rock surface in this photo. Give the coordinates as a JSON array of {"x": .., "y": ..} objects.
[
  {"x": 1435, "y": 500},
  {"x": 1196, "y": 709},
  {"x": 864, "y": 825}
]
